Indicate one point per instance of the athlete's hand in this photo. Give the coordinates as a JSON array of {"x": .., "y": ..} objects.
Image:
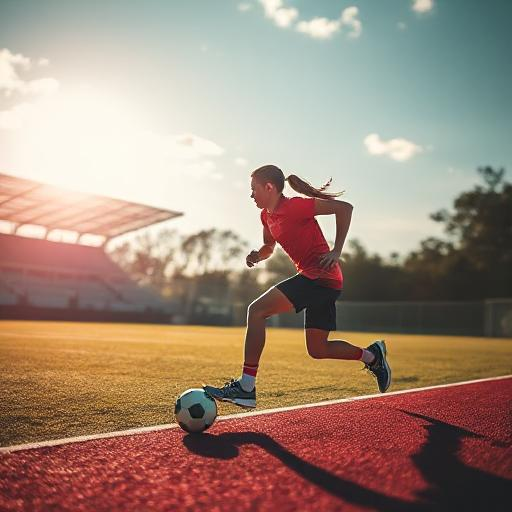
[
  {"x": 252, "y": 258},
  {"x": 329, "y": 259}
]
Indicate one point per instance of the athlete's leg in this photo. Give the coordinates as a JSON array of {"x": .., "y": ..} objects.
[
  {"x": 272, "y": 302},
  {"x": 374, "y": 356},
  {"x": 319, "y": 347},
  {"x": 242, "y": 391}
]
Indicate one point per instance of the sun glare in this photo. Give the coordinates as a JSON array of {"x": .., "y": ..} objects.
[{"x": 81, "y": 140}]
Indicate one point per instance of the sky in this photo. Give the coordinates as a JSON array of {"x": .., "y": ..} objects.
[{"x": 173, "y": 104}]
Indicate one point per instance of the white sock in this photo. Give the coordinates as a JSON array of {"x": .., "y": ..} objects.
[
  {"x": 248, "y": 378},
  {"x": 247, "y": 382},
  {"x": 367, "y": 357}
]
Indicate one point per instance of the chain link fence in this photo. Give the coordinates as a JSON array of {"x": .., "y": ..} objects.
[
  {"x": 476, "y": 318},
  {"x": 498, "y": 317}
]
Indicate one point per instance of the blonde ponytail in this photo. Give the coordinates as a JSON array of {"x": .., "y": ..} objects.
[
  {"x": 303, "y": 187},
  {"x": 271, "y": 173}
]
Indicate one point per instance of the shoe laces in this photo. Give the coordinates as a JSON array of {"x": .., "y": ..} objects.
[
  {"x": 366, "y": 368},
  {"x": 372, "y": 368},
  {"x": 230, "y": 383}
]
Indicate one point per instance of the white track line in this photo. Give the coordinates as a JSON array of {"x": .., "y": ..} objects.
[{"x": 156, "y": 428}]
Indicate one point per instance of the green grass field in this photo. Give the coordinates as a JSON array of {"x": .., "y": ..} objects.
[{"x": 67, "y": 379}]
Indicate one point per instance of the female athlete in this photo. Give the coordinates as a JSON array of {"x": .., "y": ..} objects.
[{"x": 290, "y": 221}]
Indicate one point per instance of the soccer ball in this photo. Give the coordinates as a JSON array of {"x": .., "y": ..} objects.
[{"x": 195, "y": 410}]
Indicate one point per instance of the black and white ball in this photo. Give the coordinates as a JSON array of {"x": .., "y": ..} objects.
[{"x": 195, "y": 410}]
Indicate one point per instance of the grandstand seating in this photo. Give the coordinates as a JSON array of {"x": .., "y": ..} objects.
[{"x": 46, "y": 274}]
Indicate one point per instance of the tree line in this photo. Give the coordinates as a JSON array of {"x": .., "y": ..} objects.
[{"x": 472, "y": 262}]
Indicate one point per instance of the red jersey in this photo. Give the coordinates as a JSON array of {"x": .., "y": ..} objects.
[{"x": 293, "y": 225}]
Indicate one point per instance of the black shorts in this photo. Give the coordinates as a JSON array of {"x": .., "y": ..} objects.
[{"x": 319, "y": 301}]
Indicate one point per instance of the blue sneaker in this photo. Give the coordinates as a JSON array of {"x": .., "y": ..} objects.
[
  {"x": 233, "y": 392},
  {"x": 380, "y": 368}
]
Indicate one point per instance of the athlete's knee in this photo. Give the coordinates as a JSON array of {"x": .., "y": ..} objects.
[
  {"x": 257, "y": 310},
  {"x": 316, "y": 344},
  {"x": 317, "y": 350}
]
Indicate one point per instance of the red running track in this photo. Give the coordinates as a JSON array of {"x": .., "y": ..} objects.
[{"x": 440, "y": 449}]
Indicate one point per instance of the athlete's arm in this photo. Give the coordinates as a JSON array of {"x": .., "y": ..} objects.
[
  {"x": 269, "y": 243},
  {"x": 343, "y": 212},
  {"x": 265, "y": 250},
  {"x": 330, "y": 206}
]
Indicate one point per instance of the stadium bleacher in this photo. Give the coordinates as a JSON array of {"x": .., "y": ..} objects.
[{"x": 41, "y": 278}]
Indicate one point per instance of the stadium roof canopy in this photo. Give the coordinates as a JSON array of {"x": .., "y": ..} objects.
[{"x": 28, "y": 202}]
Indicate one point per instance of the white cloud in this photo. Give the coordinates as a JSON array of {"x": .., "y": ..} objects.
[
  {"x": 285, "y": 17},
  {"x": 397, "y": 149},
  {"x": 43, "y": 62},
  {"x": 319, "y": 28},
  {"x": 12, "y": 59},
  {"x": 244, "y": 6},
  {"x": 349, "y": 18},
  {"x": 324, "y": 28},
  {"x": 282, "y": 16},
  {"x": 189, "y": 145},
  {"x": 422, "y": 6},
  {"x": 242, "y": 162},
  {"x": 11, "y": 82}
]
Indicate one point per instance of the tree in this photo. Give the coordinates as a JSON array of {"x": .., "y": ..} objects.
[
  {"x": 247, "y": 285},
  {"x": 370, "y": 277},
  {"x": 149, "y": 259},
  {"x": 482, "y": 221},
  {"x": 211, "y": 251},
  {"x": 476, "y": 261},
  {"x": 278, "y": 267}
]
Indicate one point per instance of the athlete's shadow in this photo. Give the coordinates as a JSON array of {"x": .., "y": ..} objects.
[
  {"x": 225, "y": 446},
  {"x": 453, "y": 485}
]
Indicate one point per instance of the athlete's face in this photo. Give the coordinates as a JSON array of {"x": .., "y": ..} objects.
[{"x": 261, "y": 193}]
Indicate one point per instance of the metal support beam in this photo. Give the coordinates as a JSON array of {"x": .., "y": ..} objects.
[{"x": 21, "y": 194}]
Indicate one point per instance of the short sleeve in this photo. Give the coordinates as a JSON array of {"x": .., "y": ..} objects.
[
  {"x": 263, "y": 217},
  {"x": 303, "y": 207}
]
